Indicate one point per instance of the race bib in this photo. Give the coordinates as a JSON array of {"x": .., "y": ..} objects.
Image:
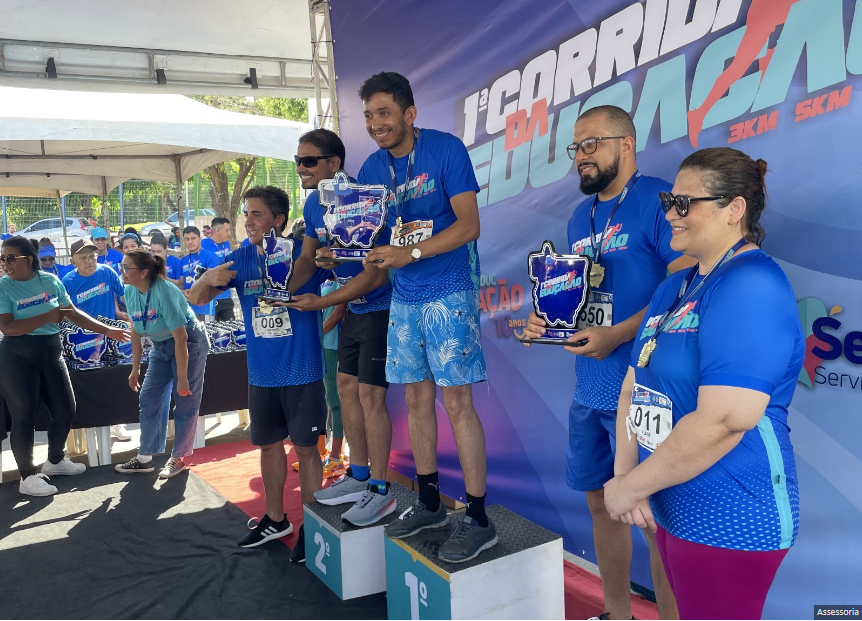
[
  {"x": 598, "y": 311},
  {"x": 650, "y": 417},
  {"x": 271, "y": 323},
  {"x": 411, "y": 233}
]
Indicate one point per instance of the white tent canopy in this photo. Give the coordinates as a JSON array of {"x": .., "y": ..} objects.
[{"x": 91, "y": 142}]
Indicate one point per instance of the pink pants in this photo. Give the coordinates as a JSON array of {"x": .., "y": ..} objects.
[{"x": 717, "y": 583}]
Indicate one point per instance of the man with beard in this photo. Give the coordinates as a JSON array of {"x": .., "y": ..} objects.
[{"x": 622, "y": 228}]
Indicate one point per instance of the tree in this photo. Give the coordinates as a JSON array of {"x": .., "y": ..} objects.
[{"x": 231, "y": 179}]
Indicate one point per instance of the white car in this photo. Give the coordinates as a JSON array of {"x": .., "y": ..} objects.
[
  {"x": 52, "y": 228},
  {"x": 172, "y": 220}
]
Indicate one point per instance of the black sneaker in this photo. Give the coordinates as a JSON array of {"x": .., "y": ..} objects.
[
  {"x": 265, "y": 530},
  {"x": 133, "y": 465},
  {"x": 298, "y": 554}
]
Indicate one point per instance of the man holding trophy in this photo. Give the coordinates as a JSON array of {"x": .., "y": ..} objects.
[
  {"x": 334, "y": 215},
  {"x": 622, "y": 229},
  {"x": 285, "y": 366}
]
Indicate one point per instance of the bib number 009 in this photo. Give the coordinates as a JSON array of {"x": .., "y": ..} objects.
[{"x": 271, "y": 323}]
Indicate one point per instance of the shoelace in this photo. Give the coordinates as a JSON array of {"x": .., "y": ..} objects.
[
  {"x": 367, "y": 497},
  {"x": 174, "y": 462},
  {"x": 462, "y": 531},
  {"x": 414, "y": 508},
  {"x": 44, "y": 478}
]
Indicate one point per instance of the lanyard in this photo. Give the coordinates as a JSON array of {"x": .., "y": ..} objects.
[
  {"x": 410, "y": 160},
  {"x": 144, "y": 317},
  {"x": 597, "y": 250},
  {"x": 681, "y": 297}
]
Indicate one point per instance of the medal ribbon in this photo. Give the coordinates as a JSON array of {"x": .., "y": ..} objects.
[
  {"x": 410, "y": 160},
  {"x": 597, "y": 251}
]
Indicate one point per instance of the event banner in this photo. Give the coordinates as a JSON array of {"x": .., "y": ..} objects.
[{"x": 774, "y": 78}]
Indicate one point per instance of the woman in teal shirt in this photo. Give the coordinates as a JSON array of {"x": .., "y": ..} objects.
[
  {"x": 177, "y": 361},
  {"x": 32, "y": 304}
]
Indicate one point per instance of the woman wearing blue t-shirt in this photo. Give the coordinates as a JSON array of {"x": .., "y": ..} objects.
[
  {"x": 176, "y": 363},
  {"x": 32, "y": 304},
  {"x": 703, "y": 447}
]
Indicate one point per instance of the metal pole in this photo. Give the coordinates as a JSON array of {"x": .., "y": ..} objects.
[
  {"x": 5, "y": 221},
  {"x": 330, "y": 66},
  {"x": 315, "y": 70},
  {"x": 181, "y": 216},
  {"x": 105, "y": 216},
  {"x": 122, "y": 210},
  {"x": 61, "y": 203}
]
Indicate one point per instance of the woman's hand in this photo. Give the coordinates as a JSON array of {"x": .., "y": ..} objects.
[
  {"x": 133, "y": 380},
  {"x": 626, "y": 505},
  {"x": 118, "y": 334},
  {"x": 183, "y": 389}
]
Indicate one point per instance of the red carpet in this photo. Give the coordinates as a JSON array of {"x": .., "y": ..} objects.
[{"x": 233, "y": 470}]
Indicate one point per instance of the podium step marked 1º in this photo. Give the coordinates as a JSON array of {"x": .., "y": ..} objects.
[
  {"x": 519, "y": 578},
  {"x": 349, "y": 560}
]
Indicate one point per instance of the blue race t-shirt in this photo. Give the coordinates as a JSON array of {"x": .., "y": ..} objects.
[
  {"x": 188, "y": 272},
  {"x": 376, "y": 300},
  {"x": 221, "y": 251},
  {"x": 635, "y": 254},
  {"x": 168, "y": 310},
  {"x": 442, "y": 169},
  {"x": 59, "y": 270},
  {"x": 174, "y": 243},
  {"x": 174, "y": 267},
  {"x": 29, "y": 298},
  {"x": 741, "y": 329},
  {"x": 112, "y": 258},
  {"x": 95, "y": 294},
  {"x": 294, "y": 358}
]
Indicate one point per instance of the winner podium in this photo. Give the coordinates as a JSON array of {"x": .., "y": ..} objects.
[{"x": 519, "y": 578}]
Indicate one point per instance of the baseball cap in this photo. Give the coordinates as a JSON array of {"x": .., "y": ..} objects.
[
  {"x": 47, "y": 251},
  {"x": 79, "y": 245},
  {"x": 99, "y": 233}
]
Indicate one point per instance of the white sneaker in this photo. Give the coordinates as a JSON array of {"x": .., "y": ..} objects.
[
  {"x": 120, "y": 433},
  {"x": 36, "y": 485},
  {"x": 65, "y": 467}
]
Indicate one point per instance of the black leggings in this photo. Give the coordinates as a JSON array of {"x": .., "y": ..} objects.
[{"x": 32, "y": 371}]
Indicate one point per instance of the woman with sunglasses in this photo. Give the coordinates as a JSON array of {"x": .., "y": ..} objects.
[
  {"x": 32, "y": 304},
  {"x": 703, "y": 448},
  {"x": 176, "y": 365}
]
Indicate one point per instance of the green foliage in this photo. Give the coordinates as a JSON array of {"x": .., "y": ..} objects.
[{"x": 288, "y": 109}]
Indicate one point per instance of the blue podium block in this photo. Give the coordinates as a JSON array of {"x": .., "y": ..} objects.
[
  {"x": 519, "y": 578},
  {"x": 349, "y": 560}
]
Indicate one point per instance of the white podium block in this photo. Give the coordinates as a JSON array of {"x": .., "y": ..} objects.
[
  {"x": 519, "y": 578},
  {"x": 348, "y": 560}
]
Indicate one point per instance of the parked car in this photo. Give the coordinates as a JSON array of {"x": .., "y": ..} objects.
[
  {"x": 52, "y": 228},
  {"x": 172, "y": 220}
]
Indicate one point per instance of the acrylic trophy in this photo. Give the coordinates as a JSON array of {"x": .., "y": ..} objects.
[
  {"x": 355, "y": 216},
  {"x": 278, "y": 254}
]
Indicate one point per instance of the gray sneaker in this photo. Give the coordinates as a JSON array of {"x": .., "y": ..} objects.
[
  {"x": 416, "y": 518},
  {"x": 468, "y": 540},
  {"x": 345, "y": 489},
  {"x": 371, "y": 508}
]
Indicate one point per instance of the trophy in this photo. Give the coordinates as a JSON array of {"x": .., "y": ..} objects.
[
  {"x": 355, "y": 216},
  {"x": 560, "y": 290},
  {"x": 278, "y": 255},
  {"x": 83, "y": 349}
]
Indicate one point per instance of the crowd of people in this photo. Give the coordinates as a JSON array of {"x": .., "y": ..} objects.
[{"x": 678, "y": 423}]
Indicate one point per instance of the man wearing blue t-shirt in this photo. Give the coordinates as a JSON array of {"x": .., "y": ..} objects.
[
  {"x": 285, "y": 366},
  {"x": 12, "y": 230},
  {"x": 219, "y": 244},
  {"x": 95, "y": 289},
  {"x": 623, "y": 230},
  {"x": 195, "y": 263},
  {"x": 362, "y": 384},
  {"x": 105, "y": 255},
  {"x": 434, "y": 334}
]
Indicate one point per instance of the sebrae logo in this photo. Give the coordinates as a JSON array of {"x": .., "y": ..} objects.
[{"x": 822, "y": 344}]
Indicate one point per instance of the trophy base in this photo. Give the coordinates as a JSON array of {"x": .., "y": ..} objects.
[
  {"x": 345, "y": 255},
  {"x": 275, "y": 295},
  {"x": 556, "y": 337}
]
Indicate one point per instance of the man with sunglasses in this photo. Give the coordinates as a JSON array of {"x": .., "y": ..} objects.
[{"x": 621, "y": 227}]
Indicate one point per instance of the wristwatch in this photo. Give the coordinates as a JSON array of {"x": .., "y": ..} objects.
[{"x": 416, "y": 254}]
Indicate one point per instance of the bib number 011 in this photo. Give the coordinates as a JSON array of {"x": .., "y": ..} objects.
[{"x": 650, "y": 417}]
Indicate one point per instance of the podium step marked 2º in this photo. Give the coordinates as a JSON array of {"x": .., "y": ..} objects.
[
  {"x": 348, "y": 560},
  {"x": 519, "y": 578}
]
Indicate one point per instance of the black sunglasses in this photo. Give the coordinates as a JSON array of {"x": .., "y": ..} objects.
[
  {"x": 682, "y": 202},
  {"x": 310, "y": 161},
  {"x": 588, "y": 145},
  {"x": 11, "y": 259}
]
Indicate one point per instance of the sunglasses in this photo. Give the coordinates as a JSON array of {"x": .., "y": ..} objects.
[
  {"x": 588, "y": 145},
  {"x": 48, "y": 259},
  {"x": 125, "y": 268},
  {"x": 310, "y": 161},
  {"x": 682, "y": 203},
  {"x": 11, "y": 259}
]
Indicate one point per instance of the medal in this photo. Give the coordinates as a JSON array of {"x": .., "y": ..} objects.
[
  {"x": 646, "y": 353},
  {"x": 597, "y": 275}
]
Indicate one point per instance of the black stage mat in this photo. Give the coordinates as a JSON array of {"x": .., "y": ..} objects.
[{"x": 129, "y": 547}]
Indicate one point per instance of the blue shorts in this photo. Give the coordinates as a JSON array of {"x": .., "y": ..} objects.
[
  {"x": 437, "y": 340},
  {"x": 592, "y": 444}
]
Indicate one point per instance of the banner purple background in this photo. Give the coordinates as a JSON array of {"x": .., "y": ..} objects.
[{"x": 658, "y": 60}]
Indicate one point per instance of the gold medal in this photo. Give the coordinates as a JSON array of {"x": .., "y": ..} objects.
[
  {"x": 646, "y": 353},
  {"x": 597, "y": 274}
]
